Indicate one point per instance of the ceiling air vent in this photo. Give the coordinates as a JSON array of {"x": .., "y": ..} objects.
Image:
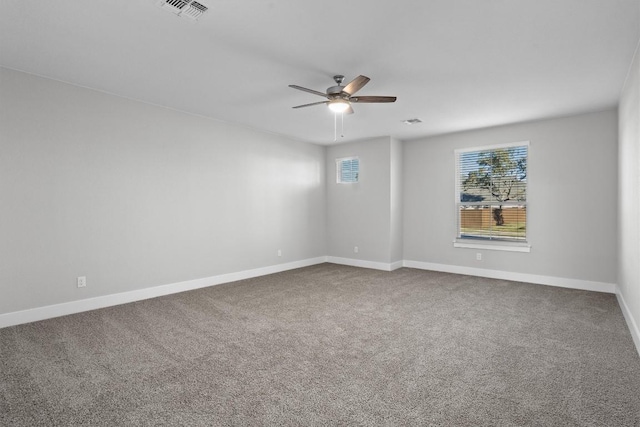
[{"x": 189, "y": 8}]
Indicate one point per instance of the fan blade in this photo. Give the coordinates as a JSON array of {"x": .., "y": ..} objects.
[
  {"x": 356, "y": 84},
  {"x": 313, "y": 103},
  {"x": 304, "y": 89},
  {"x": 349, "y": 110},
  {"x": 373, "y": 99}
]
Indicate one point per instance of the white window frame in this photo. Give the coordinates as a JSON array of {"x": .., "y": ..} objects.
[
  {"x": 498, "y": 245},
  {"x": 339, "y": 170}
]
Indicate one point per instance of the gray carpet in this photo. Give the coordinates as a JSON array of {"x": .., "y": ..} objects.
[{"x": 331, "y": 345}]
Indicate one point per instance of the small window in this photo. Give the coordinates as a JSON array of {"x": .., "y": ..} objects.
[
  {"x": 348, "y": 170},
  {"x": 491, "y": 193}
]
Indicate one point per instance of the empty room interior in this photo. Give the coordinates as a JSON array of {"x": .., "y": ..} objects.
[{"x": 288, "y": 213}]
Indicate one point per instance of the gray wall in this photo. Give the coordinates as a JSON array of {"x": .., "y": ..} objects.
[
  {"x": 572, "y": 198},
  {"x": 397, "y": 206},
  {"x": 133, "y": 195},
  {"x": 361, "y": 214},
  {"x": 629, "y": 191}
]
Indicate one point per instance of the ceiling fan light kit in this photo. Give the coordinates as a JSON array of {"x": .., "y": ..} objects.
[{"x": 339, "y": 105}]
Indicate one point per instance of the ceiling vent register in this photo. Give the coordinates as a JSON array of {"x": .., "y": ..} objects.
[{"x": 188, "y": 8}]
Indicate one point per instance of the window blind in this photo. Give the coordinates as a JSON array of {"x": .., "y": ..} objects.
[
  {"x": 348, "y": 170},
  {"x": 491, "y": 192}
]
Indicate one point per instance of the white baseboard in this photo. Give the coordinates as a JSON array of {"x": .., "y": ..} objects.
[
  {"x": 50, "y": 311},
  {"x": 396, "y": 265},
  {"x": 56, "y": 310},
  {"x": 562, "y": 282},
  {"x": 365, "y": 264},
  {"x": 631, "y": 322}
]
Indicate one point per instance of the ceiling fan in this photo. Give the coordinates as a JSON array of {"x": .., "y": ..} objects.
[{"x": 339, "y": 98}]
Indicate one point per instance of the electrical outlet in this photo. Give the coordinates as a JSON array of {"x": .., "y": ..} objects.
[
  {"x": 279, "y": 252},
  {"x": 478, "y": 256},
  {"x": 82, "y": 281},
  {"x": 355, "y": 249}
]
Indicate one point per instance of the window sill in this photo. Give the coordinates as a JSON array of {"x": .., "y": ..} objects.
[{"x": 492, "y": 246}]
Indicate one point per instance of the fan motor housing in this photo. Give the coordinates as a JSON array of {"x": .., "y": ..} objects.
[{"x": 335, "y": 90}]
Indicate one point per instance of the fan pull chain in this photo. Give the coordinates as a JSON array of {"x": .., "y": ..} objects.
[{"x": 335, "y": 126}]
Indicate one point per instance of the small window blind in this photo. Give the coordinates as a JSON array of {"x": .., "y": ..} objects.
[
  {"x": 348, "y": 170},
  {"x": 491, "y": 192}
]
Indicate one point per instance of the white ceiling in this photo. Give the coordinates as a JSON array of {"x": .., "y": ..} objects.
[{"x": 456, "y": 64}]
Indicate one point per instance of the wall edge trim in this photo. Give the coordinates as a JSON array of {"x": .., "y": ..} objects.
[
  {"x": 87, "y": 304},
  {"x": 385, "y": 266},
  {"x": 628, "y": 317},
  {"x": 562, "y": 282}
]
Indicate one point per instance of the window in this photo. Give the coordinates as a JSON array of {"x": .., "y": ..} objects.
[
  {"x": 491, "y": 193},
  {"x": 348, "y": 169}
]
